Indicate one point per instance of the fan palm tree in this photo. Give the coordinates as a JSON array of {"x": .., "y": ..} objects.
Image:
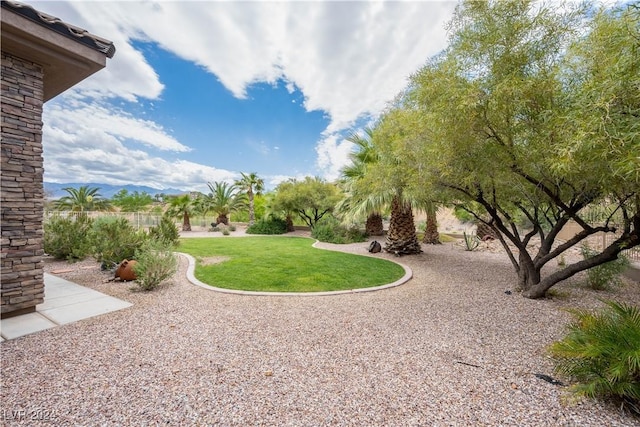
[
  {"x": 431, "y": 234},
  {"x": 182, "y": 206},
  {"x": 224, "y": 199},
  {"x": 82, "y": 199},
  {"x": 252, "y": 185},
  {"x": 355, "y": 201}
]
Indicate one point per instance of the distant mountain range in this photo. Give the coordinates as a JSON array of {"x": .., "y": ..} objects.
[{"x": 55, "y": 191}]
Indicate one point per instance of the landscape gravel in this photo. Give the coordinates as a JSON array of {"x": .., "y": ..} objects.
[{"x": 448, "y": 348}]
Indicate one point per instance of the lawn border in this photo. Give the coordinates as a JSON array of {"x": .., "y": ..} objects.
[{"x": 408, "y": 274}]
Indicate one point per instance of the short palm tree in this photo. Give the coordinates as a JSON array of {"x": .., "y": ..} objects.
[
  {"x": 252, "y": 185},
  {"x": 182, "y": 206},
  {"x": 224, "y": 199},
  {"x": 82, "y": 199}
]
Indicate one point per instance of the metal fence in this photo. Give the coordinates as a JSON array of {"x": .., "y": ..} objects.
[{"x": 136, "y": 219}]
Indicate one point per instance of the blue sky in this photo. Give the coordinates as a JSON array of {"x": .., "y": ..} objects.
[{"x": 200, "y": 91}]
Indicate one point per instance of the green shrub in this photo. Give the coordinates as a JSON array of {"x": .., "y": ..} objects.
[
  {"x": 232, "y": 228},
  {"x": 602, "y": 353},
  {"x": 225, "y": 232},
  {"x": 115, "y": 239},
  {"x": 166, "y": 232},
  {"x": 156, "y": 262},
  {"x": 270, "y": 225},
  {"x": 68, "y": 238},
  {"x": 604, "y": 276},
  {"x": 330, "y": 230}
]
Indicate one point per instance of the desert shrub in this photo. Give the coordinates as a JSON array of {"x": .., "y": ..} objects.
[
  {"x": 156, "y": 262},
  {"x": 68, "y": 238},
  {"x": 115, "y": 239},
  {"x": 604, "y": 276},
  {"x": 270, "y": 225},
  {"x": 601, "y": 352},
  {"x": 226, "y": 232},
  {"x": 166, "y": 232},
  {"x": 232, "y": 228},
  {"x": 330, "y": 230}
]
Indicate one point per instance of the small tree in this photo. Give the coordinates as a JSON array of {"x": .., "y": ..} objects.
[
  {"x": 132, "y": 202},
  {"x": 311, "y": 198},
  {"x": 223, "y": 199},
  {"x": 252, "y": 185},
  {"x": 182, "y": 207}
]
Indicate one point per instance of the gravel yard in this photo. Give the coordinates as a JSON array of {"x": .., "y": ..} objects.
[{"x": 447, "y": 348}]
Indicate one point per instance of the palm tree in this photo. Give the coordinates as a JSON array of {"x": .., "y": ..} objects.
[
  {"x": 223, "y": 200},
  {"x": 82, "y": 199},
  {"x": 182, "y": 206},
  {"x": 431, "y": 234},
  {"x": 253, "y": 185},
  {"x": 402, "y": 238},
  {"x": 355, "y": 201}
]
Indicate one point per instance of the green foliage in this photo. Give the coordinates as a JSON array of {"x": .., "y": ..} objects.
[
  {"x": 605, "y": 276},
  {"x": 182, "y": 207},
  {"x": 82, "y": 199},
  {"x": 115, "y": 239},
  {"x": 166, "y": 232},
  {"x": 471, "y": 241},
  {"x": 602, "y": 353},
  {"x": 311, "y": 198},
  {"x": 462, "y": 215},
  {"x": 68, "y": 238},
  {"x": 225, "y": 231},
  {"x": 270, "y": 225},
  {"x": 156, "y": 262},
  {"x": 132, "y": 202},
  {"x": 330, "y": 230},
  {"x": 223, "y": 200}
]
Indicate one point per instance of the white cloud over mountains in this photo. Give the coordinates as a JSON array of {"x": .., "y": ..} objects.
[{"x": 347, "y": 58}]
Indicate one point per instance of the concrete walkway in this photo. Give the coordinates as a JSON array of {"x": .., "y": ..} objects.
[{"x": 64, "y": 302}]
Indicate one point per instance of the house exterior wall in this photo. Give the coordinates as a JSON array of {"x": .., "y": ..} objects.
[{"x": 22, "y": 192}]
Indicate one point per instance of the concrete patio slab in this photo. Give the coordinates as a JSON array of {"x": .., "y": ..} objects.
[{"x": 65, "y": 302}]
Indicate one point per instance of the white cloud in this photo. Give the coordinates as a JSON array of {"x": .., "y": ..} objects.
[
  {"x": 100, "y": 118},
  {"x": 333, "y": 155},
  {"x": 94, "y": 156},
  {"x": 347, "y": 58}
]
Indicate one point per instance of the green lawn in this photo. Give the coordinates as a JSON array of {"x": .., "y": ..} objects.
[{"x": 283, "y": 264}]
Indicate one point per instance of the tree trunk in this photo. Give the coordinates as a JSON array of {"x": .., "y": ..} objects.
[
  {"x": 402, "y": 238},
  {"x": 374, "y": 225},
  {"x": 186, "y": 223},
  {"x": 290, "y": 226},
  {"x": 222, "y": 219},
  {"x": 431, "y": 235},
  {"x": 252, "y": 215}
]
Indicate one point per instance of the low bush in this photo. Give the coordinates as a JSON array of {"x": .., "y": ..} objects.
[
  {"x": 115, "y": 239},
  {"x": 601, "y": 352},
  {"x": 330, "y": 230},
  {"x": 166, "y": 232},
  {"x": 68, "y": 238},
  {"x": 605, "y": 276},
  {"x": 156, "y": 262},
  {"x": 270, "y": 225}
]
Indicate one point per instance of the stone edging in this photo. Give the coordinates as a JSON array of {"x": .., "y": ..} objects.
[{"x": 408, "y": 274}]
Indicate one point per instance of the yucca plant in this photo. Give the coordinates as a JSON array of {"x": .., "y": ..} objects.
[
  {"x": 471, "y": 241},
  {"x": 601, "y": 352}
]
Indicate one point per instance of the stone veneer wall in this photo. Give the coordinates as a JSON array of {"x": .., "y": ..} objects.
[{"x": 21, "y": 191}]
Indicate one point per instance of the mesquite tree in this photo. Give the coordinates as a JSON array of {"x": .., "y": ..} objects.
[{"x": 533, "y": 113}]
